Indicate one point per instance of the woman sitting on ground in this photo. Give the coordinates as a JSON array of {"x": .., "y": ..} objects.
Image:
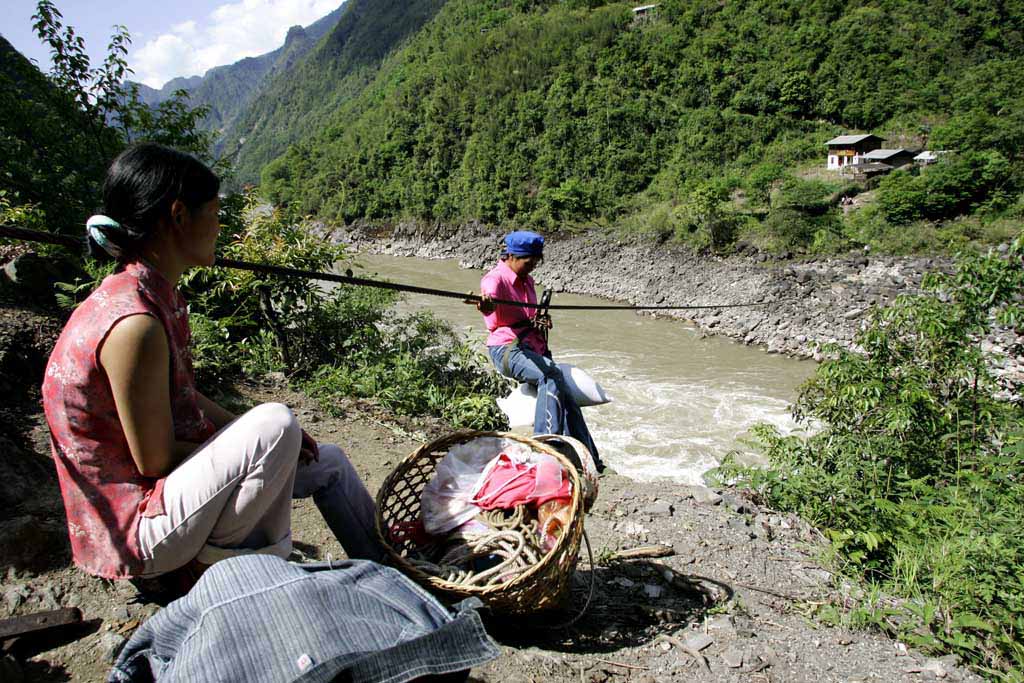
[{"x": 155, "y": 476}]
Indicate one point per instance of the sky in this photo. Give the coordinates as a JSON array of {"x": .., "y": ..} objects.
[{"x": 169, "y": 38}]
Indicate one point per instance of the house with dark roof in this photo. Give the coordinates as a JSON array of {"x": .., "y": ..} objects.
[
  {"x": 867, "y": 170},
  {"x": 892, "y": 157},
  {"x": 847, "y": 150}
]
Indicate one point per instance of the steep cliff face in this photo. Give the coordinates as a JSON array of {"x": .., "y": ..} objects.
[{"x": 228, "y": 90}]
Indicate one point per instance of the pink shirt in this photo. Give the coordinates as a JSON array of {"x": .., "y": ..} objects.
[
  {"x": 503, "y": 283},
  {"x": 104, "y": 493}
]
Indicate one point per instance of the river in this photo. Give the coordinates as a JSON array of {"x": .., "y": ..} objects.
[{"x": 680, "y": 401}]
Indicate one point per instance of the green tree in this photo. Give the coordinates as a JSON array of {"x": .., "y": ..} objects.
[
  {"x": 706, "y": 213},
  {"x": 955, "y": 185},
  {"x": 59, "y": 132}
]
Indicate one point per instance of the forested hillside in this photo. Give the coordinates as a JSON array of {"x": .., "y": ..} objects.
[
  {"x": 299, "y": 101},
  {"x": 705, "y": 120},
  {"x": 226, "y": 91}
]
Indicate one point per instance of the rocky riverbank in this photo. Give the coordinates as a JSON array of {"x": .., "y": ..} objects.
[
  {"x": 731, "y": 596},
  {"x": 727, "y": 597},
  {"x": 808, "y": 302}
]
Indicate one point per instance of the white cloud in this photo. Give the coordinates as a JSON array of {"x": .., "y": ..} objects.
[{"x": 230, "y": 33}]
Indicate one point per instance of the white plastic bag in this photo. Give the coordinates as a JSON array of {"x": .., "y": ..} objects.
[
  {"x": 520, "y": 406},
  {"x": 585, "y": 390},
  {"x": 444, "y": 503}
]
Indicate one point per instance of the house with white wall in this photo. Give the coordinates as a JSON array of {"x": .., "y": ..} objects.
[{"x": 847, "y": 150}]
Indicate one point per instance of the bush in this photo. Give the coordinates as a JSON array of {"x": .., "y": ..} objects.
[
  {"x": 705, "y": 220},
  {"x": 801, "y": 217},
  {"x": 955, "y": 185},
  {"x": 914, "y": 471}
]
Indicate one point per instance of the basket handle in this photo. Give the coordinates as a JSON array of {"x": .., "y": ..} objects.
[{"x": 579, "y": 455}]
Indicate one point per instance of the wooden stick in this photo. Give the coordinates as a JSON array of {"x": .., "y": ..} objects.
[
  {"x": 40, "y": 621},
  {"x": 644, "y": 551},
  {"x": 625, "y": 666},
  {"x": 768, "y": 591}
]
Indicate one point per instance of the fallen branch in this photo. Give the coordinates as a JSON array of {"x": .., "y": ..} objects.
[
  {"x": 644, "y": 551},
  {"x": 777, "y": 594},
  {"x": 625, "y": 666}
]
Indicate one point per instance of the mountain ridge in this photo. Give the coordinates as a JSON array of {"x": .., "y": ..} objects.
[
  {"x": 703, "y": 119},
  {"x": 304, "y": 98},
  {"x": 230, "y": 88}
]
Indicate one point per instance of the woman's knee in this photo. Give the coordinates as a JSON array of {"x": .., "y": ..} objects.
[
  {"x": 277, "y": 425},
  {"x": 334, "y": 464}
]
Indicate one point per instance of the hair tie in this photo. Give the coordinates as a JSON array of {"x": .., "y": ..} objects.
[{"x": 95, "y": 227}]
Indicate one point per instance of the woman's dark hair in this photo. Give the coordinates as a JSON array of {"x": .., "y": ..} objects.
[{"x": 142, "y": 183}]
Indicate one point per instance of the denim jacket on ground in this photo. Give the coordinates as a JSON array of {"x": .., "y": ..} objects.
[{"x": 258, "y": 618}]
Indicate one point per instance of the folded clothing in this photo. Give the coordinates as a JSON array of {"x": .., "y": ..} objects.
[{"x": 508, "y": 482}]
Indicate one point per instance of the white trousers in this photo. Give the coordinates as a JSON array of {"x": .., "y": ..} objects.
[{"x": 233, "y": 496}]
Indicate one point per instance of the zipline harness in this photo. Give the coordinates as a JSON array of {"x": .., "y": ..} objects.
[{"x": 26, "y": 235}]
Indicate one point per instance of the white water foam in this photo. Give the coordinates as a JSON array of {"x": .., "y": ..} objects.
[{"x": 676, "y": 427}]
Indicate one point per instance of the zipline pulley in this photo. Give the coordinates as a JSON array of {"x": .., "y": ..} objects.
[{"x": 542, "y": 321}]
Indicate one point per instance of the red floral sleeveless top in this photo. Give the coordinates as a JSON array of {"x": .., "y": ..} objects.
[{"x": 104, "y": 493}]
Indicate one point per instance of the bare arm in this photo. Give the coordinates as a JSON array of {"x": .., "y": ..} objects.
[{"x": 136, "y": 358}]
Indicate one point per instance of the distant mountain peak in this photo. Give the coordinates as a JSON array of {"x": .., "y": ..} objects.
[{"x": 294, "y": 33}]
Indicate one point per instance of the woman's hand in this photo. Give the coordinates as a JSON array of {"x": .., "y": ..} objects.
[
  {"x": 310, "y": 450},
  {"x": 486, "y": 305},
  {"x": 217, "y": 414}
]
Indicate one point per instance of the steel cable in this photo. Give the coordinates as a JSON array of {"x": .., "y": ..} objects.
[{"x": 24, "y": 234}]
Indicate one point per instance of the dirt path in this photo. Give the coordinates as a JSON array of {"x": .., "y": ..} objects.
[{"x": 733, "y": 602}]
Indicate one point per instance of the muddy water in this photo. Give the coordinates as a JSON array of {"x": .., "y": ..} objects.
[{"x": 680, "y": 402}]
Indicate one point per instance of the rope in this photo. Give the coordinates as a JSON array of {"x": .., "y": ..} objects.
[
  {"x": 24, "y": 234},
  {"x": 590, "y": 593},
  {"x": 512, "y": 545}
]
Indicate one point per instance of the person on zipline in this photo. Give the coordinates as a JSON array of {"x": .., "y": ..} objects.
[
  {"x": 157, "y": 479},
  {"x": 517, "y": 343}
]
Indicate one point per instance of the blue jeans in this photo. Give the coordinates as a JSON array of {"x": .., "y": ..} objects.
[{"x": 557, "y": 412}]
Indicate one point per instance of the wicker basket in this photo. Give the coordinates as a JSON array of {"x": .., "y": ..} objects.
[{"x": 542, "y": 586}]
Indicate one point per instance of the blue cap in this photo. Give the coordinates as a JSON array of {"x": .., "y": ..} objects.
[{"x": 524, "y": 243}]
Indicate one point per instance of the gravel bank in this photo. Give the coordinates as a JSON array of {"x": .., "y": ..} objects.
[{"x": 732, "y": 601}]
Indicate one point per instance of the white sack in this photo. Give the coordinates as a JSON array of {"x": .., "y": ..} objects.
[
  {"x": 584, "y": 389},
  {"x": 520, "y": 406}
]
